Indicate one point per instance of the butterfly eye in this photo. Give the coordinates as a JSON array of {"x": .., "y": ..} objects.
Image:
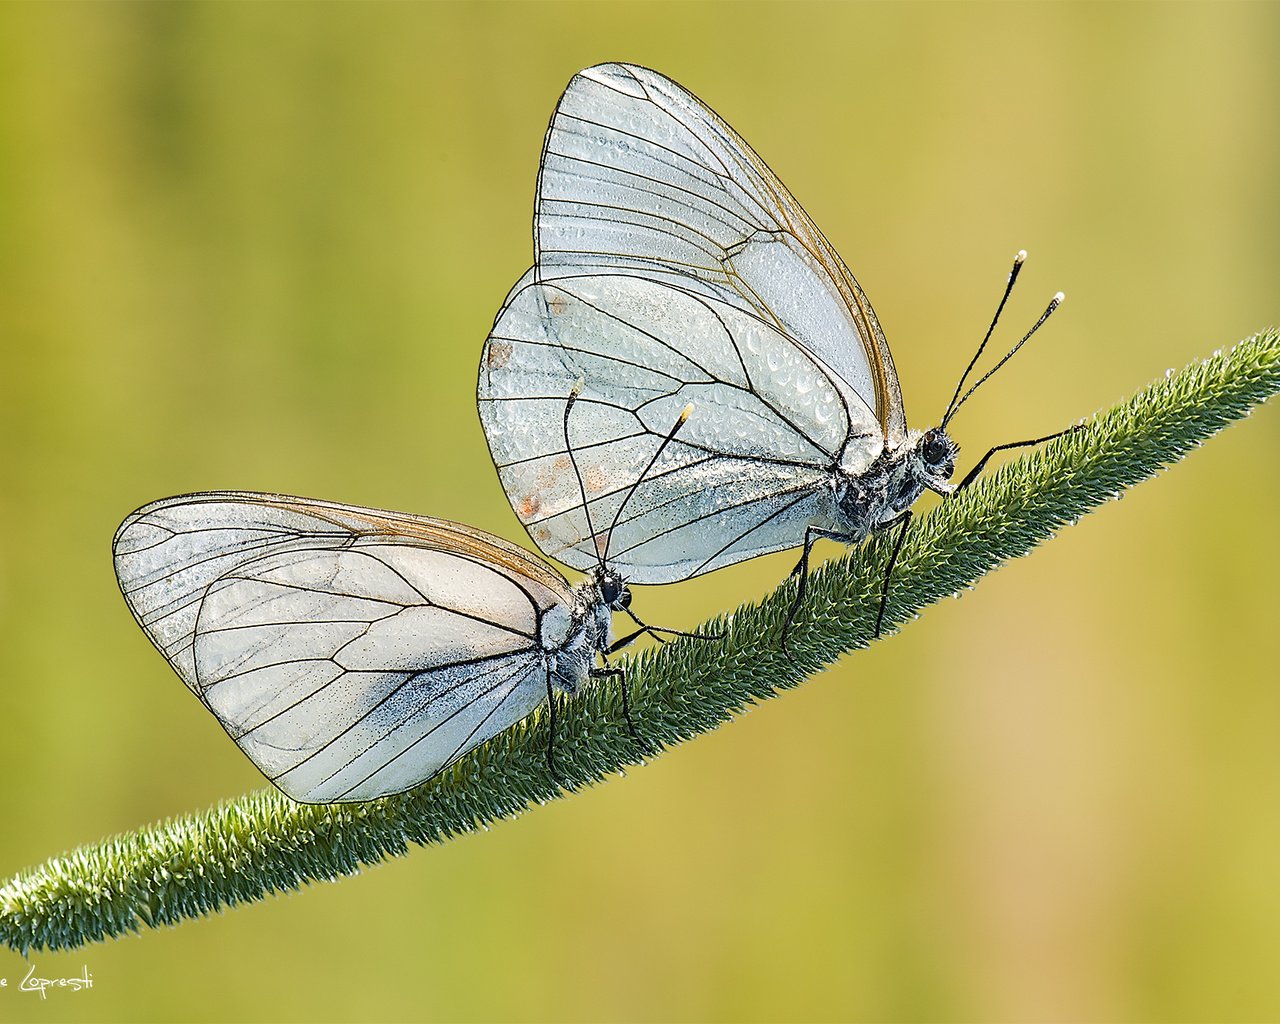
[
  {"x": 613, "y": 592},
  {"x": 935, "y": 449}
]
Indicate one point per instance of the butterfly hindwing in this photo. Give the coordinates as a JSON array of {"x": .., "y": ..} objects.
[
  {"x": 350, "y": 653},
  {"x": 768, "y": 422}
]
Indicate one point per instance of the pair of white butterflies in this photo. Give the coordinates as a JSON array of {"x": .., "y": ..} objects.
[{"x": 353, "y": 653}]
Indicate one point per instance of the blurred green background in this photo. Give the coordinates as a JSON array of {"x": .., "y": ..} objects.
[{"x": 260, "y": 246}]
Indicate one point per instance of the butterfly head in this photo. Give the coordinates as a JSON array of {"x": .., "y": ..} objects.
[
  {"x": 935, "y": 460},
  {"x": 597, "y": 597},
  {"x": 612, "y": 589}
]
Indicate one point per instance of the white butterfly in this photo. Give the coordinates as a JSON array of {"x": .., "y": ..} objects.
[
  {"x": 352, "y": 653},
  {"x": 673, "y": 267}
]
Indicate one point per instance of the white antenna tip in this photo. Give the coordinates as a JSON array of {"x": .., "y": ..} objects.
[
  {"x": 578, "y": 385},
  {"x": 686, "y": 412},
  {"x": 1059, "y": 299},
  {"x": 1020, "y": 256}
]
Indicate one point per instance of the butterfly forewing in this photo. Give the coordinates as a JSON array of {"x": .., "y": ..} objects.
[
  {"x": 640, "y": 177},
  {"x": 350, "y": 653}
]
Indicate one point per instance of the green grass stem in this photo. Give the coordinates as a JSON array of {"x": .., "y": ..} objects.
[{"x": 263, "y": 843}]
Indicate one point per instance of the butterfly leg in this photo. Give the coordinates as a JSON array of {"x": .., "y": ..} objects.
[
  {"x": 973, "y": 473},
  {"x": 653, "y": 631},
  {"x": 621, "y": 675},
  {"x": 904, "y": 519},
  {"x": 811, "y": 536},
  {"x": 551, "y": 731},
  {"x": 628, "y": 640}
]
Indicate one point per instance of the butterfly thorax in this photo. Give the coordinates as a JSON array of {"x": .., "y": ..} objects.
[
  {"x": 893, "y": 482},
  {"x": 572, "y": 636}
]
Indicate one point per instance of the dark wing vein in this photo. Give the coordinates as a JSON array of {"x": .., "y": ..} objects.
[{"x": 464, "y": 745}]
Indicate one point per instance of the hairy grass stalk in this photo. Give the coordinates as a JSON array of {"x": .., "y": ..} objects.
[{"x": 261, "y": 843}]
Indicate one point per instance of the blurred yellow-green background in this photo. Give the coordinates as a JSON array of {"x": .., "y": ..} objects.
[{"x": 259, "y": 246}]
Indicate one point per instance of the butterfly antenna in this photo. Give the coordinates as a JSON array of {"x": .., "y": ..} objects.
[
  {"x": 1048, "y": 311},
  {"x": 680, "y": 422},
  {"x": 568, "y": 447},
  {"x": 1018, "y": 260}
]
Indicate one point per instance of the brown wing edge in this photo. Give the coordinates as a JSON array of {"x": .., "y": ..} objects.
[
  {"x": 889, "y": 405},
  {"x": 425, "y": 531},
  {"x": 439, "y": 534}
]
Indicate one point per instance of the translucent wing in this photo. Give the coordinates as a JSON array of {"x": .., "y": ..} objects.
[
  {"x": 350, "y": 653},
  {"x": 640, "y": 177},
  {"x": 744, "y": 476}
]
